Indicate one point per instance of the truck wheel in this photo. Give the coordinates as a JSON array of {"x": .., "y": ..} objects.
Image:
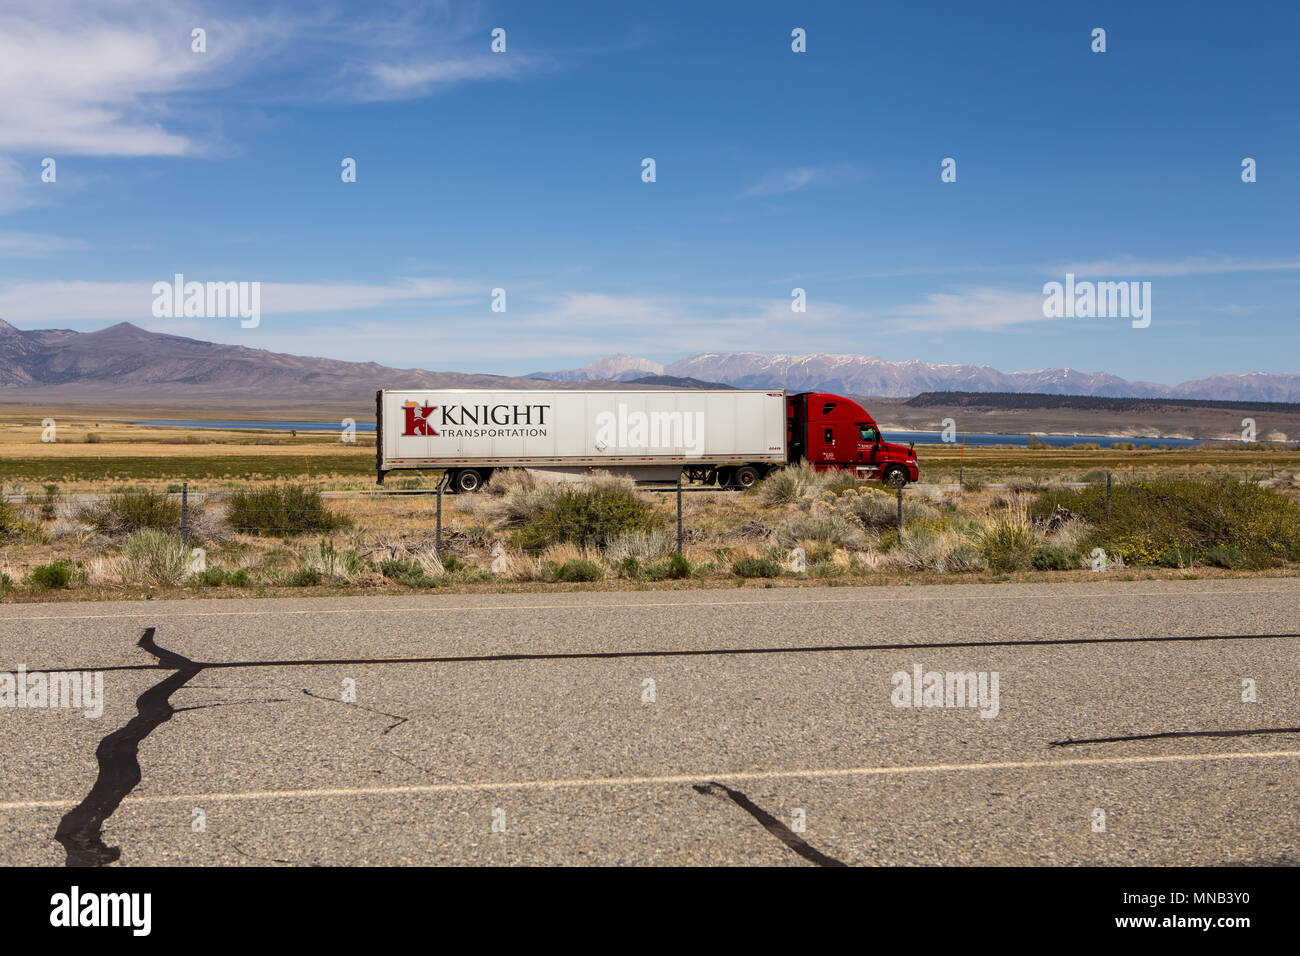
[
  {"x": 895, "y": 476},
  {"x": 746, "y": 476},
  {"x": 467, "y": 480},
  {"x": 724, "y": 477}
]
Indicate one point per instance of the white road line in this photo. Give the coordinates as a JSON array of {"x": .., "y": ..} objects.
[
  {"x": 674, "y": 779},
  {"x": 1047, "y": 595}
]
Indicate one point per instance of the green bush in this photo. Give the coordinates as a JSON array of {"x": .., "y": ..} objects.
[
  {"x": 281, "y": 511},
  {"x": 586, "y": 516},
  {"x": 675, "y": 568},
  {"x": 629, "y": 568},
  {"x": 756, "y": 568},
  {"x": 1164, "y": 521},
  {"x": 1051, "y": 557},
  {"x": 397, "y": 569},
  {"x": 126, "y": 512},
  {"x": 304, "y": 578},
  {"x": 1008, "y": 545},
  {"x": 55, "y": 575},
  {"x": 6, "y": 582},
  {"x": 416, "y": 578},
  {"x": 579, "y": 570},
  {"x": 1221, "y": 556}
]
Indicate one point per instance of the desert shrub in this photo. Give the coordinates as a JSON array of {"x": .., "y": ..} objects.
[
  {"x": 642, "y": 545},
  {"x": 960, "y": 558},
  {"x": 1008, "y": 542},
  {"x": 1095, "y": 475},
  {"x": 330, "y": 563},
  {"x": 396, "y": 568},
  {"x": 756, "y": 568},
  {"x": 12, "y": 526},
  {"x": 586, "y": 515},
  {"x": 238, "y": 579},
  {"x": 6, "y": 582},
  {"x": 878, "y": 510},
  {"x": 1051, "y": 557},
  {"x": 150, "y": 556},
  {"x": 675, "y": 568},
  {"x": 579, "y": 570},
  {"x": 1154, "y": 521},
  {"x": 1221, "y": 556},
  {"x": 303, "y": 578},
  {"x": 787, "y": 485},
  {"x": 831, "y": 528},
  {"x": 629, "y": 568},
  {"x": 57, "y": 574},
  {"x": 282, "y": 511},
  {"x": 92, "y": 438},
  {"x": 128, "y": 511}
]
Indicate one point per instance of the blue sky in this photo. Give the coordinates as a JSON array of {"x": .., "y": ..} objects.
[{"x": 775, "y": 170}]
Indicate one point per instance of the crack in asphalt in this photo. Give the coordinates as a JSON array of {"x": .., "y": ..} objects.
[
  {"x": 81, "y": 829},
  {"x": 1071, "y": 741},
  {"x": 348, "y": 703},
  {"x": 770, "y": 823}
]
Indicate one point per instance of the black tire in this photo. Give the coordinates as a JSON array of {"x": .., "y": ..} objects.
[
  {"x": 467, "y": 481},
  {"x": 745, "y": 477},
  {"x": 895, "y": 476},
  {"x": 724, "y": 477}
]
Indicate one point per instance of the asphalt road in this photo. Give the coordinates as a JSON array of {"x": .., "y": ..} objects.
[{"x": 524, "y": 729}]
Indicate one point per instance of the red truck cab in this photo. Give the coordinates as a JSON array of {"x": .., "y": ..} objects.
[{"x": 832, "y": 432}]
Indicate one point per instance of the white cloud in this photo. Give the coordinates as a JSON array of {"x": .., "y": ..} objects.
[
  {"x": 1169, "y": 268},
  {"x": 804, "y": 177},
  {"x": 979, "y": 309},
  {"x": 121, "y": 79},
  {"x": 33, "y": 245},
  {"x": 65, "y": 302}
]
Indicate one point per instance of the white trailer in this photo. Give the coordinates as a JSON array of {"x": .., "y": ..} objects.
[{"x": 733, "y": 436}]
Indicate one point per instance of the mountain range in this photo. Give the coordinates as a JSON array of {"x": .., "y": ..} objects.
[
  {"x": 124, "y": 359},
  {"x": 869, "y": 375}
]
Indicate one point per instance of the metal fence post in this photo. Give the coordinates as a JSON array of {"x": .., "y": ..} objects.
[
  {"x": 898, "y": 485},
  {"x": 185, "y": 514},
  {"x": 679, "y": 512},
  {"x": 437, "y": 541},
  {"x": 1108, "y": 495}
]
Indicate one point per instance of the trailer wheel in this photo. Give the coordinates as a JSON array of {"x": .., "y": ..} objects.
[
  {"x": 724, "y": 477},
  {"x": 746, "y": 476},
  {"x": 467, "y": 480}
]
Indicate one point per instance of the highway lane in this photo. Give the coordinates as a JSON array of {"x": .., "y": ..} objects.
[{"x": 750, "y": 726}]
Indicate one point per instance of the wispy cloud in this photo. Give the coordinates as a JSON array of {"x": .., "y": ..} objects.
[
  {"x": 1170, "y": 268},
  {"x": 119, "y": 79},
  {"x": 977, "y": 309},
  {"x": 804, "y": 177},
  {"x": 80, "y": 301},
  {"x": 33, "y": 245}
]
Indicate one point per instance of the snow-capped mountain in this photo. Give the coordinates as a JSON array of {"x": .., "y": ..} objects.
[{"x": 870, "y": 375}]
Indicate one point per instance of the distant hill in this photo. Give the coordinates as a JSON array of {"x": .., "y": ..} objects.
[
  {"x": 674, "y": 381},
  {"x": 127, "y": 362}
]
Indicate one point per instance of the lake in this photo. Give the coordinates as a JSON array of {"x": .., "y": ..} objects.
[{"x": 921, "y": 438}]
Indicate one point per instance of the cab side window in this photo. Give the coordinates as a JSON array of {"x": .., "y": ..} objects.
[
  {"x": 830, "y": 436},
  {"x": 869, "y": 434}
]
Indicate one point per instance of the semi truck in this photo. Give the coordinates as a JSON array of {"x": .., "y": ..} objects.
[{"x": 729, "y": 437}]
